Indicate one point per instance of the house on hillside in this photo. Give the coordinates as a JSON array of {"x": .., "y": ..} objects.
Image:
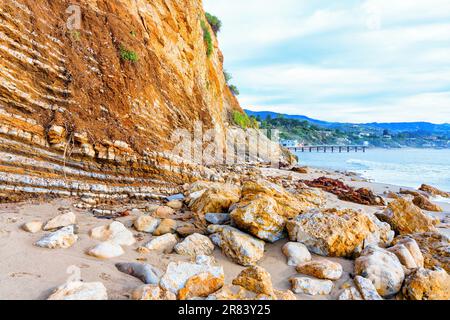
[{"x": 289, "y": 143}]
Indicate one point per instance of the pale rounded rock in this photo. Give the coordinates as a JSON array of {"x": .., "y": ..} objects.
[
  {"x": 296, "y": 253},
  {"x": 382, "y": 268},
  {"x": 237, "y": 245},
  {"x": 144, "y": 272},
  {"x": 164, "y": 243},
  {"x": 408, "y": 253},
  {"x": 32, "y": 226},
  {"x": 77, "y": 290},
  {"x": 311, "y": 286},
  {"x": 146, "y": 224},
  {"x": 194, "y": 245},
  {"x": 62, "y": 220},
  {"x": 106, "y": 250},
  {"x": 175, "y": 204},
  {"x": 115, "y": 232},
  {"x": 163, "y": 212},
  {"x": 166, "y": 226}
]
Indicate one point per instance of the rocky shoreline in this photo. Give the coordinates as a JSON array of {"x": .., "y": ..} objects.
[{"x": 254, "y": 233}]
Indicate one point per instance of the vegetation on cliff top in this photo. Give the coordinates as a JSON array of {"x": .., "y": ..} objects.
[
  {"x": 234, "y": 89},
  {"x": 214, "y": 22},
  {"x": 216, "y": 25}
]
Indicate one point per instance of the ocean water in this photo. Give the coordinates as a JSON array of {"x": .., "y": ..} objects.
[{"x": 404, "y": 167}]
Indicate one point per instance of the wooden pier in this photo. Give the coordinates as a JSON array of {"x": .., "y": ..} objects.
[{"x": 330, "y": 148}]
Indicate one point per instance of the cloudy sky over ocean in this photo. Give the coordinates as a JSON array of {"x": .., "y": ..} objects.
[{"x": 349, "y": 61}]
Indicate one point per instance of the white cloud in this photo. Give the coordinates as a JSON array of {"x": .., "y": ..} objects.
[
  {"x": 325, "y": 83},
  {"x": 411, "y": 10},
  {"x": 430, "y": 107},
  {"x": 364, "y": 61}
]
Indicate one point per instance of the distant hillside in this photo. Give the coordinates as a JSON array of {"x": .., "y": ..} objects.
[
  {"x": 264, "y": 114},
  {"x": 395, "y": 127},
  {"x": 411, "y": 126}
]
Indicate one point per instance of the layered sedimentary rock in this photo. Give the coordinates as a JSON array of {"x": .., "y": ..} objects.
[{"x": 91, "y": 91}]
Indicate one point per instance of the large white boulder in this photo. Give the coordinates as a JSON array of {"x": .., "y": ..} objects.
[{"x": 381, "y": 267}]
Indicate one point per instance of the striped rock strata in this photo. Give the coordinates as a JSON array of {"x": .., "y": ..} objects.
[{"x": 76, "y": 118}]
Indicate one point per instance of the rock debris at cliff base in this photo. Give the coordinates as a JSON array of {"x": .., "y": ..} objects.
[{"x": 121, "y": 257}]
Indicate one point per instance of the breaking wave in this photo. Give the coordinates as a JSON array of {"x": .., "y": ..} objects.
[
  {"x": 404, "y": 167},
  {"x": 406, "y": 174}
]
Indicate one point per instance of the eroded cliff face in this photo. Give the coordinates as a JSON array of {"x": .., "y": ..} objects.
[{"x": 75, "y": 117}]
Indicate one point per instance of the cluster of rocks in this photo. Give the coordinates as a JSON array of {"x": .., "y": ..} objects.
[
  {"x": 396, "y": 251},
  {"x": 318, "y": 275},
  {"x": 62, "y": 231}
]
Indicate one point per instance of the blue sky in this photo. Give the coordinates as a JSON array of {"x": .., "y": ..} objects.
[{"x": 347, "y": 60}]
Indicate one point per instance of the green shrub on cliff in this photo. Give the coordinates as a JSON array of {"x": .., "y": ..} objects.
[
  {"x": 234, "y": 89},
  {"x": 214, "y": 22},
  {"x": 207, "y": 38},
  {"x": 227, "y": 76},
  {"x": 241, "y": 119},
  {"x": 128, "y": 55},
  {"x": 244, "y": 121}
]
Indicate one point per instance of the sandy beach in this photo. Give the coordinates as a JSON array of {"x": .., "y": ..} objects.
[{"x": 30, "y": 272}]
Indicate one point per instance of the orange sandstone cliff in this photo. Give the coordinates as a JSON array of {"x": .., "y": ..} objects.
[{"x": 76, "y": 117}]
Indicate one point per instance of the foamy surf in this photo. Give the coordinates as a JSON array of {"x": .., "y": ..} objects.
[
  {"x": 440, "y": 199},
  {"x": 404, "y": 167}
]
